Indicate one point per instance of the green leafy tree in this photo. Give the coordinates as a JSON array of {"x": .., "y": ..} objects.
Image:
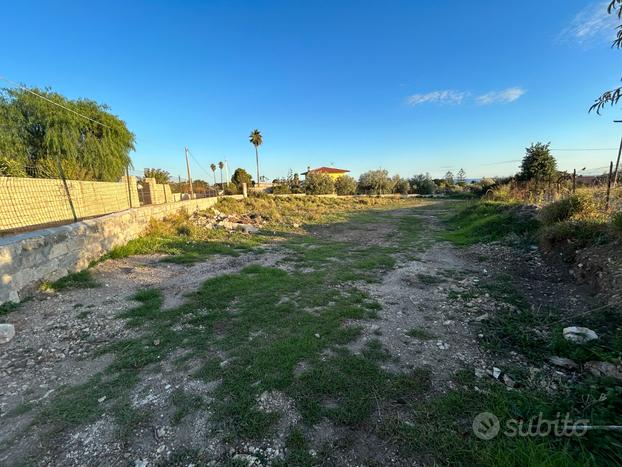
[
  {"x": 161, "y": 176},
  {"x": 256, "y": 140},
  {"x": 375, "y": 182},
  {"x": 345, "y": 185},
  {"x": 317, "y": 183},
  {"x": 461, "y": 177},
  {"x": 612, "y": 96},
  {"x": 538, "y": 163},
  {"x": 241, "y": 176},
  {"x": 423, "y": 184},
  {"x": 449, "y": 178},
  {"x": 400, "y": 185},
  {"x": 35, "y": 131}
]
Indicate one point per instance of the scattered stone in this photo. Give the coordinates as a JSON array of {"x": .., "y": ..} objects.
[
  {"x": 479, "y": 373},
  {"x": 604, "y": 369},
  {"x": 246, "y": 459},
  {"x": 579, "y": 335},
  {"x": 442, "y": 345},
  {"x": 101, "y": 399},
  {"x": 317, "y": 335},
  {"x": 481, "y": 318},
  {"x": 496, "y": 372},
  {"x": 509, "y": 382},
  {"x": 7, "y": 332},
  {"x": 563, "y": 363},
  {"x": 140, "y": 463}
]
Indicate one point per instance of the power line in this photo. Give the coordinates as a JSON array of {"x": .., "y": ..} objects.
[
  {"x": 23, "y": 88},
  {"x": 585, "y": 149},
  {"x": 197, "y": 162}
]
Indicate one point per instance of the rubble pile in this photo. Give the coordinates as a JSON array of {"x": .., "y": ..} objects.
[{"x": 214, "y": 219}]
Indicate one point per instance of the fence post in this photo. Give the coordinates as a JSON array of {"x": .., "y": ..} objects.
[
  {"x": 129, "y": 187},
  {"x": 574, "y": 181},
  {"x": 62, "y": 176},
  {"x": 609, "y": 186}
]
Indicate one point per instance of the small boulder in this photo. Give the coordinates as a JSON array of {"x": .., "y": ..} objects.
[
  {"x": 604, "y": 369},
  {"x": 481, "y": 318},
  {"x": 563, "y": 363},
  {"x": 7, "y": 332},
  {"x": 247, "y": 228},
  {"x": 579, "y": 335}
]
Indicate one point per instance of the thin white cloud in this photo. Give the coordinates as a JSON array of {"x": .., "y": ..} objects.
[
  {"x": 591, "y": 24},
  {"x": 446, "y": 96},
  {"x": 503, "y": 96}
]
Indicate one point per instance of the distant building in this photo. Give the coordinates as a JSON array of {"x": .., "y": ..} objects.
[{"x": 330, "y": 171}]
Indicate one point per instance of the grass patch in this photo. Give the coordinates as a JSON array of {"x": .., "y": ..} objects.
[
  {"x": 439, "y": 430},
  {"x": 77, "y": 280},
  {"x": 8, "y": 307},
  {"x": 421, "y": 334},
  {"x": 483, "y": 222}
]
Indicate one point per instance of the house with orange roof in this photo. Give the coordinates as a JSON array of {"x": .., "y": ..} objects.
[{"x": 330, "y": 171}]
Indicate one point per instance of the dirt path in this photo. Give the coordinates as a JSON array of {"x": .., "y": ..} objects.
[{"x": 383, "y": 263}]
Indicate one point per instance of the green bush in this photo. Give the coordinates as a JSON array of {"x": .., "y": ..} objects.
[
  {"x": 11, "y": 168},
  {"x": 345, "y": 185},
  {"x": 578, "y": 234},
  {"x": 616, "y": 221},
  {"x": 317, "y": 183},
  {"x": 580, "y": 206},
  {"x": 281, "y": 190}
]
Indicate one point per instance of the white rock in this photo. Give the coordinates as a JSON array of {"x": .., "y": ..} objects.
[
  {"x": 7, "y": 332},
  {"x": 481, "y": 318},
  {"x": 496, "y": 372},
  {"x": 579, "y": 335},
  {"x": 140, "y": 463}
]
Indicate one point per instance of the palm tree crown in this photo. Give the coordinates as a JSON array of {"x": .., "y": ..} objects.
[{"x": 255, "y": 138}]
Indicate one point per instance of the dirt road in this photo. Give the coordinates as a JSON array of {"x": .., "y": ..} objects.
[{"x": 342, "y": 346}]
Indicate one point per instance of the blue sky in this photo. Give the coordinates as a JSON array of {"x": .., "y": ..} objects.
[{"x": 410, "y": 86}]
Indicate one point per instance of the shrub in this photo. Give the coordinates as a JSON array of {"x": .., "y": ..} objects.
[
  {"x": 241, "y": 176},
  {"x": 423, "y": 184},
  {"x": 345, "y": 185},
  {"x": 616, "y": 221},
  {"x": 401, "y": 185},
  {"x": 580, "y": 206},
  {"x": 375, "y": 182},
  {"x": 11, "y": 168},
  {"x": 574, "y": 234},
  {"x": 281, "y": 190},
  {"x": 317, "y": 183}
]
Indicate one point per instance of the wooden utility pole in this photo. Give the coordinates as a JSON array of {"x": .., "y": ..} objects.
[
  {"x": 189, "y": 177},
  {"x": 609, "y": 185},
  {"x": 615, "y": 173},
  {"x": 574, "y": 181}
]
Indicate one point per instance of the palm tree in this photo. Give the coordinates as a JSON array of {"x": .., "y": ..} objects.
[
  {"x": 221, "y": 166},
  {"x": 213, "y": 167},
  {"x": 256, "y": 140}
]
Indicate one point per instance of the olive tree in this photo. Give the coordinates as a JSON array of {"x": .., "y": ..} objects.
[{"x": 345, "y": 185}]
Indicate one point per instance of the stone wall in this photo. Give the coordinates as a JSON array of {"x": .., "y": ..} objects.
[
  {"x": 26, "y": 202},
  {"x": 49, "y": 254}
]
